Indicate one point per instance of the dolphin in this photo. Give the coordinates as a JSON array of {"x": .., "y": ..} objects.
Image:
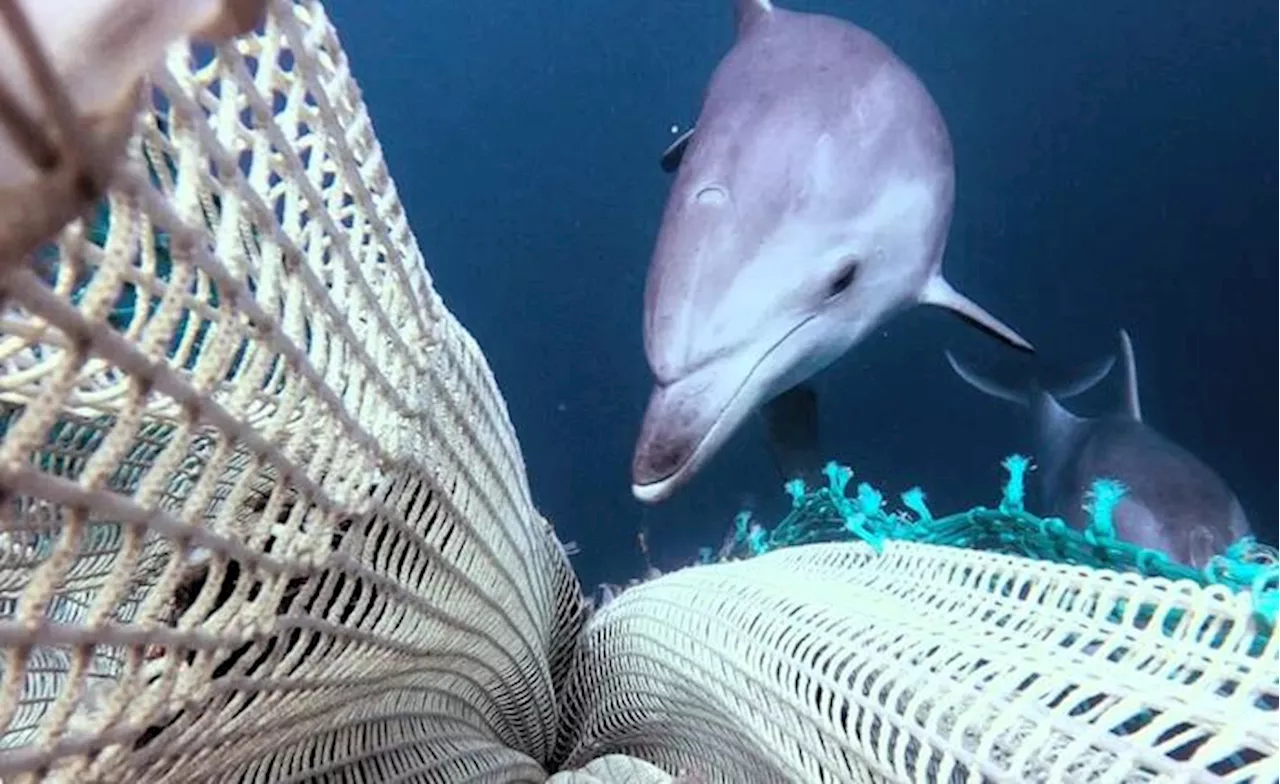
[
  {"x": 1173, "y": 502},
  {"x": 811, "y": 201}
]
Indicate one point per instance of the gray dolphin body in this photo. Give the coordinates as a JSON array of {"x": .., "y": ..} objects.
[
  {"x": 1173, "y": 501},
  {"x": 811, "y": 202}
]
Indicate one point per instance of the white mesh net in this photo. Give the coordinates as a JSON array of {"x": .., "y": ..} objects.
[
  {"x": 265, "y": 519},
  {"x": 265, "y": 512},
  {"x": 830, "y": 663}
]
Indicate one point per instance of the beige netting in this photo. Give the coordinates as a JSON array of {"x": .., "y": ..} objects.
[
  {"x": 275, "y": 522},
  {"x": 832, "y": 664},
  {"x": 614, "y": 769},
  {"x": 265, "y": 519}
]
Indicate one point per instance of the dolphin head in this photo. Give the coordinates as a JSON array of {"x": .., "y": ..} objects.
[{"x": 811, "y": 203}]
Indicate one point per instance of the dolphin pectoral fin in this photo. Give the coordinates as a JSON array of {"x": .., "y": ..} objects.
[
  {"x": 791, "y": 426},
  {"x": 1132, "y": 404},
  {"x": 671, "y": 157},
  {"x": 940, "y": 293}
]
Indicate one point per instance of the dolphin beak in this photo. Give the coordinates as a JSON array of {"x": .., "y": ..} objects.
[{"x": 684, "y": 424}]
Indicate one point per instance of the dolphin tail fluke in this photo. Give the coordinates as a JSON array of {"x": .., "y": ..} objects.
[
  {"x": 1132, "y": 403},
  {"x": 986, "y": 385},
  {"x": 1082, "y": 378},
  {"x": 939, "y": 293},
  {"x": 1028, "y": 389},
  {"x": 791, "y": 425}
]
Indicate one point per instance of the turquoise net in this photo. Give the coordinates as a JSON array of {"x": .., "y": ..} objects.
[{"x": 827, "y": 514}]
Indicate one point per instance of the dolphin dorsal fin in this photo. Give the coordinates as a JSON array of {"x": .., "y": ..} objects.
[
  {"x": 748, "y": 12},
  {"x": 1132, "y": 403}
]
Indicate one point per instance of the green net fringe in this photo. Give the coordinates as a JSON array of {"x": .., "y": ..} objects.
[{"x": 827, "y": 514}]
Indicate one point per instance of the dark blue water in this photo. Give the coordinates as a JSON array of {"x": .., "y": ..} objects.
[{"x": 1117, "y": 168}]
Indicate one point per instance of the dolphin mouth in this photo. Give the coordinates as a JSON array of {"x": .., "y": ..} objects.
[{"x": 663, "y": 486}]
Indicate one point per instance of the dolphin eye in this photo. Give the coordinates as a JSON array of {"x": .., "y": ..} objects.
[{"x": 843, "y": 280}]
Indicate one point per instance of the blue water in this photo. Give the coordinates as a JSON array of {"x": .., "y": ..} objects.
[{"x": 1117, "y": 168}]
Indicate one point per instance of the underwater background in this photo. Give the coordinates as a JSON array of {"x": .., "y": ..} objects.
[{"x": 1116, "y": 167}]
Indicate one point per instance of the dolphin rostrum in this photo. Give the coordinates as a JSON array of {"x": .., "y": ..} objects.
[
  {"x": 1173, "y": 502},
  {"x": 811, "y": 201}
]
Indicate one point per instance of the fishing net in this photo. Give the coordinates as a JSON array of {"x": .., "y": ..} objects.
[
  {"x": 853, "y": 643},
  {"x": 265, "y": 517},
  {"x": 828, "y": 514},
  {"x": 265, "y": 514}
]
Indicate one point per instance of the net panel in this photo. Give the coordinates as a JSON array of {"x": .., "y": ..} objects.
[
  {"x": 924, "y": 663},
  {"x": 265, "y": 515},
  {"x": 616, "y": 769}
]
